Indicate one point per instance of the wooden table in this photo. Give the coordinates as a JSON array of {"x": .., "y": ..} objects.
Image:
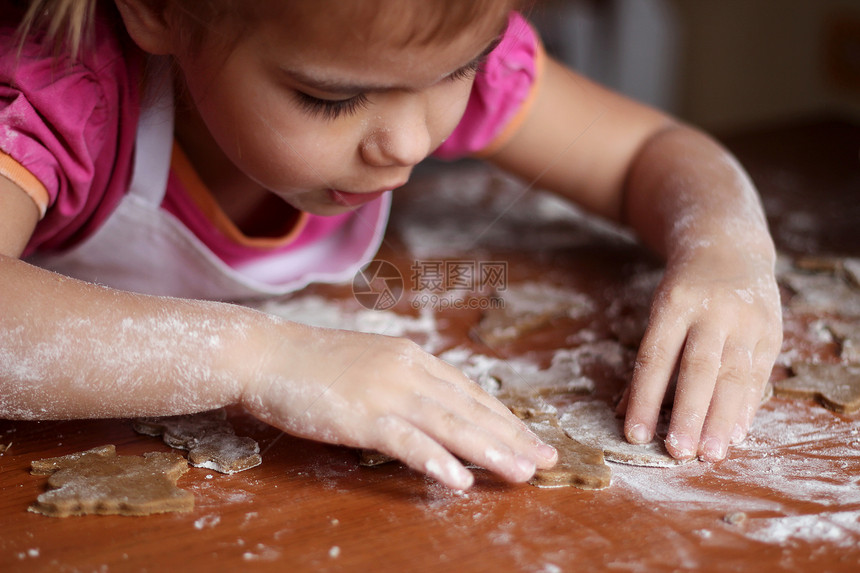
[{"x": 310, "y": 506}]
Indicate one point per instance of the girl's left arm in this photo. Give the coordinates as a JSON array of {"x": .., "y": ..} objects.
[{"x": 715, "y": 318}]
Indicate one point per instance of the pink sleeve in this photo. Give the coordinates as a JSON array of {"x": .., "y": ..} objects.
[
  {"x": 501, "y": 94},
  {"x": 61, "y": 123}
]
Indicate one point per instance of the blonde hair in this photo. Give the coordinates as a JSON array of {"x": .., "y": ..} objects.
[{"x": 66, "y": 23}]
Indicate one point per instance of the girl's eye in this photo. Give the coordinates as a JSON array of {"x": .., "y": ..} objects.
[
  {"x": 468, "y": 71},
  {"x": 330, "y": 109}
]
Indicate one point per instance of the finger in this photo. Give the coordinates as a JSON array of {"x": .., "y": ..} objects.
[
  {"x": 655, "y": 365},
  {"x": 765, "y": 356},
  {"x": 470, "y": 401},
  {"x": 399, "y": 439},
  {"x": 449, "y": 372},
  {"x": 697, "y": 377},
  {"x": 729, "y": 402},
  {"x": 480, "y": 437},
  {"x": 621, "y": 407}
]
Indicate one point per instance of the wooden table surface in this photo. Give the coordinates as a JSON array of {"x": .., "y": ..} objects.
[{"x": 310, "y": 506}]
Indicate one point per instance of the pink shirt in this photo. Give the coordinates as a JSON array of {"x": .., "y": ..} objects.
[{"x": 67, "y": 132}]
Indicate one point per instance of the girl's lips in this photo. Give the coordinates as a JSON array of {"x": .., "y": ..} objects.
[{"x": 348, "y": 199}]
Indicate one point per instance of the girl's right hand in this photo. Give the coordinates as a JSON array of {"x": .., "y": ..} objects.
[{"x": 375, "y": 391}]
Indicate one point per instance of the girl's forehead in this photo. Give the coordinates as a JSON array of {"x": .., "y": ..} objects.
[
  {"x": 391, "y": 23},
  {"x": 396, "y": 42}
]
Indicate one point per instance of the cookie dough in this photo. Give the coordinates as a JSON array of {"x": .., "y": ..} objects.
[
  {"x": 370, "y": 458},
  {"x": 836, "y": 386},
  {"x": 851, "y": 268},
  {"x": 100, "y": 482},
  {"x": 209, "y": 439},
  {"x": 848, "y": 268},
  {"x": 595, "y": 424},
  {"x": 848, "y": 336},
  {"x": 826, "y": 292},
  {"x": 528, "y": 307},
  {"x": 578, "y": 465},
  {"x": 515, "y": 380},
  {"x": 736, "y": 518}
]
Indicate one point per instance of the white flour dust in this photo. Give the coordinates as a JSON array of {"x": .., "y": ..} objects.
[
  {"x": 318, "y": 311},
  {"x": 594, "y": 424},
  {"x": 521, "y": 376},
  {"x": 788, "y": 457},
  {"x": 467, "y": 208},
  {"x": 541, "y": 298},
  {"x": 796, "y": 452}
]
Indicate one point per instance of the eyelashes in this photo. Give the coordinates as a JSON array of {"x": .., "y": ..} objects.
[
  {"x": 469, "y": 71},
  {"x": 332, "y": 109}
]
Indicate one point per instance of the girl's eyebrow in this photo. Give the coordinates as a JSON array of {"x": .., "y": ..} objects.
[{"x": 338, "y": 87}]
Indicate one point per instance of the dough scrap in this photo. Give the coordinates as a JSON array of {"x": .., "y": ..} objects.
[
  {"x": 851, "y": 268},
  {"x": 519, "y": 379},
  {"x": 594, "y": 424},
  {"x": 578, "y": 465},
  {"x": 848, "y": 267},
  {"x": 369, "y": 458},
  {"x": 527, "y": 307},
  {"x": 209, "y": 438},
  {"x": 98, "y": 481},
  {"x": 737, "y": 518},
  {"x": 836, "y": 386},
  {"x": 848, "y": 336},
  {"x": 823, "y": 292},
  {"x": 819, "y": 264}
]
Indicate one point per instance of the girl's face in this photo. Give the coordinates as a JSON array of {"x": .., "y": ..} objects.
[{"x": 329, "y": 112}]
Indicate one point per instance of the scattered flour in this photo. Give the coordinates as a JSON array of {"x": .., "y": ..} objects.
[
  {"x": 841, "y": 529},
  {"x": 262, "y": 553},
  {"x": 207, "y": 521},
  {"x": 543, "y": 298},
  {"x": 491, "y": 209},
  {"x": 594, "y": 424},
  {"x": 318, "y": 311},
  {"x": 521, "y": 376},
  {"x": 787, "y": 458}
]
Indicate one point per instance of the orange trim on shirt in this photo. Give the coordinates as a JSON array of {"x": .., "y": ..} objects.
[
  {"x": 21, "y": 176},
  {"x": 517, "y": 120},
  {"x": 202, "y": 197}
]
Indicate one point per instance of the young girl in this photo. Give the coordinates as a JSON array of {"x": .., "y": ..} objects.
[{"x": 181, "y": 150}]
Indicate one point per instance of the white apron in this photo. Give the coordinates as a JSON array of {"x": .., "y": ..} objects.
[{"x": 143, "y": 248}]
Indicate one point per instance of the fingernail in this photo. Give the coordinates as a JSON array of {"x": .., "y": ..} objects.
[
  {"x": 683, "y": 445},
  {"x": 639, "y": 434},
  {"x": 713, "y": 449},
  {"x": 546, "y": 451},
  {"x": 527, "y": 468}
]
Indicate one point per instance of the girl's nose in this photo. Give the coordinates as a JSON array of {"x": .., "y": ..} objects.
[{"x": 401, "y": 139}]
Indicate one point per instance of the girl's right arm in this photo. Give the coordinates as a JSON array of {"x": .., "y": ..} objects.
[{"x": 70, "y": 349}]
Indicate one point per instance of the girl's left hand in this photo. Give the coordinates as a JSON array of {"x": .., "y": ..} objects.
[{"x": 716, "y": 323}]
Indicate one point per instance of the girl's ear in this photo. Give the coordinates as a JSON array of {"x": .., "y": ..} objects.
[{"x": 147, "y": 24}]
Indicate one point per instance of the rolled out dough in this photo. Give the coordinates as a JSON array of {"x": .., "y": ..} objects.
[
  {"x": 594, "y": 423},
  {"x": 578, "y": 465},
  {"x": 836, "y": 386},
  {"x": 528, "y": 307},
  {"x": 98, "y": 481},
  {"x": 209, "y": 439},
  {"x": 848, "y": 335}
]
